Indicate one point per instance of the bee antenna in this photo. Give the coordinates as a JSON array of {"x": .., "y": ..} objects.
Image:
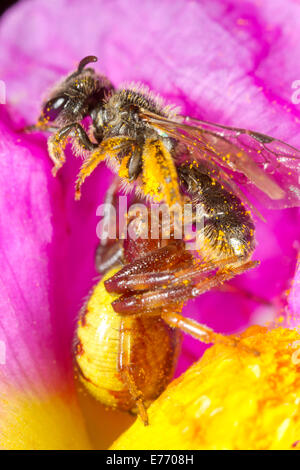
[{"x": 85, "y": 61}]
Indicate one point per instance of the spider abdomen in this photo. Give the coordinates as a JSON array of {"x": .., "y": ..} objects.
[{"x": 153, "y": 354}]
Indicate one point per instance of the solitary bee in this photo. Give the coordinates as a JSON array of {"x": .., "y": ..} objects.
[
  {"x": 173, "y": 159},
  {"x": 168, "y": 158}
]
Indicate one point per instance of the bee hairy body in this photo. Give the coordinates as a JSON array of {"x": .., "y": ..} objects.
[{"x": 228, "y": 228}]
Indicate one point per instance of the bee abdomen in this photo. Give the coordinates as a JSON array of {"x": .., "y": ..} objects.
[{"x": 226, "y": 225}]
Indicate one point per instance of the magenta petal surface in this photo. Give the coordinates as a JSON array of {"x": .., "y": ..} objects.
[
  {"x": 36, "y": 385},
  {"x": 292, "y": 311},
  {"x": 221, "y": 61},
  {"x": 30, "y": 202}
]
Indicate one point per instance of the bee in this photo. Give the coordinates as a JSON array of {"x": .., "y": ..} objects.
[{"x": 165, "y": 157}]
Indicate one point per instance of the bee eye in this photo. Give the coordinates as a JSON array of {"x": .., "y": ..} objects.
[{"x": 54, "y": 107}]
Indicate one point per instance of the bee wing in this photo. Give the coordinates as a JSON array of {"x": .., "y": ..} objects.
[{"x": 265, "y": 167}]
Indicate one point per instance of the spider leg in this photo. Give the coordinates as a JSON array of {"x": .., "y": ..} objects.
[
  {"x": 182, "y": 268},
  {"x": 191, "y": 283},
  {"x": 202, "y": 332},
  {"x": 249, "y": 295},
  {"x": 147, "y": 269},
  {"x": 181, "y": 285},
  {"x": 126, "y": 369},
  {"x": 109, "y": 256},
  {"x": 109, "y": 252},
  {"x": 58, "y": 141}
]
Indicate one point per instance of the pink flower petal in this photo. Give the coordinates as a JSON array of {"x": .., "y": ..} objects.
[
  {"x": 35, "y": 364},
  {"x": 291, "y": 317}
]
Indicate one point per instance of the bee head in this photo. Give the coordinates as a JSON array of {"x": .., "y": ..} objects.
[{"x": 76, "y": 96}]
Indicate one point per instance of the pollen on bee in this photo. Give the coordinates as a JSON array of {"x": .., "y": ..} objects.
[{"x": 123, "y": 171}]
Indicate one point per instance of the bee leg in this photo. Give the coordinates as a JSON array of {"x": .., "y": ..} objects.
[
  {"x": 58, "y": 141},
  {"x": 183, "y": 287},
  {"x": 126, "y": 369},
  {"x": 135, "y": 164},
  {"x": 107, "y": 148},
  {"x": 40, "y": 128}
]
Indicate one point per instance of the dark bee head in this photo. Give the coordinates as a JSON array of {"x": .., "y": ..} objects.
[{"x": 76, "y": 96}]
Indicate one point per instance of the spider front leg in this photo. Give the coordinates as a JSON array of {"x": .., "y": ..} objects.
[
  {"x": 110, "y": 251},
  {"x": 148, "y": 293},
  {"x": 127, "y": 371},
  {"x": 150, "y": 271},
  {"x": 203, "y": 333},
  {"x": 58, "y": 141}
]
